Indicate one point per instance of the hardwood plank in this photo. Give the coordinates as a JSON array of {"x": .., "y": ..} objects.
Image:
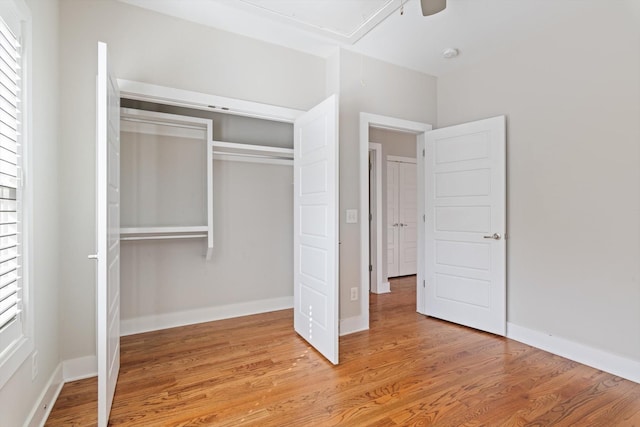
[{"x": 406, "y": 370}]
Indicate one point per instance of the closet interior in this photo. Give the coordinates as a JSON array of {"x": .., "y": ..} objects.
[{"x": 206, "y": 215}]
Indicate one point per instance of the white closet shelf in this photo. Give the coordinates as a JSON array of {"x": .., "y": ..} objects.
[
  {"x": 155, "y": 233},
  {"x": 223, "y": 150},
  {"x": 234, "y": 147},
  {"x": 173, "y": 125}
]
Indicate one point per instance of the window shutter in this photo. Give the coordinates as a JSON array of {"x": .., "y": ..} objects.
[{"x": 10, "y": 206}]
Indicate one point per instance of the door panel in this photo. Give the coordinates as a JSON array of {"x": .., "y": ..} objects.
[
  {"x": 107, "y": 235},
  {"x": 465, "y": 204},
  {"x": 407, "y": 214},
  {"x": 402, "y": 210},
  {"x": 393, "y": 225},
  {"x": 315, "y": 204}
]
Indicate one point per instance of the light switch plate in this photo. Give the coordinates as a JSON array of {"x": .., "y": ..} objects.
[{"x": 352, "y": 216}]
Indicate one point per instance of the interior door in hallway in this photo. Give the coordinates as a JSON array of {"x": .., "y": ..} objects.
[{"x": 401, "y": 218}]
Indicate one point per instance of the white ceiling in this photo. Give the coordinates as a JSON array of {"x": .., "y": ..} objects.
[
  {"x": 345, "y": 21},
  {"x": 477, "y": 28}
]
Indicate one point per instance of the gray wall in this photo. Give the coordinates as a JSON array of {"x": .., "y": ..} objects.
[
  {"x": 394, "y": 143},
  {"x": 572, "y": 99},
  {"x": 157, "y": 49},
  {"x": 163, "y": 184},
  {"x": 20, "y": 393},
  {"x": 371, "y": 86}
]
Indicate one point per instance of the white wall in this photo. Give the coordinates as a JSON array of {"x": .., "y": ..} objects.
[
  {"x": 572, "y": 99},
  {"x": 156, "y": 49},
  {"x": 371, "y": 86},
  {"x": 394, "y": 143},
  {"x": 20, "y": 393}
]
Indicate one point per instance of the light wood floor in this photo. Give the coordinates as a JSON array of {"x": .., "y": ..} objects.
[{"x": 407, "y": 370}]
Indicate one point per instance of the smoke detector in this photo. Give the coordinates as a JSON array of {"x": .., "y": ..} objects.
[{"x": 450, "y": 52}]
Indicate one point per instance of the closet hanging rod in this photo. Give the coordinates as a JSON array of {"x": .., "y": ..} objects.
[{"x": 162, "y": 123}]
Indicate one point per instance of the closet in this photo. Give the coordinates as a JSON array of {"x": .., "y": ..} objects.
[
  {"x": 206, "y": 215},
  {"x": 402, "y": 211},
  {"x": 166, "y": 172}
]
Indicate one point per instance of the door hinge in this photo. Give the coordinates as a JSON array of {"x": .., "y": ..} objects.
[
  {"x": 370, "y": 165},
  {"x": 424, "y": 218},
  {"x": 370, "y": 267},
  {"x": 423, "y": 152},
  {"x": 370, "y": 217},
  {"x": 424, "y": 284}
]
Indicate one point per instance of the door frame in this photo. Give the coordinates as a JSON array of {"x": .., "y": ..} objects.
[
  {"x": 203, "y": 101},
  {"x": 378, "y": 286},
  {"x": 391, "y": 123}
]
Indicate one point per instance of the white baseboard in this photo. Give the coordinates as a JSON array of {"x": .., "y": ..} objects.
[
  {"x": 79, "y": 368},
  {"x": 46, "y": 400},
  {"x": 190, "y": 317},
  {"x": 596, "y": 358},
  {"x": 353, "y": 324},
  {"x": 382, "y": 288}
]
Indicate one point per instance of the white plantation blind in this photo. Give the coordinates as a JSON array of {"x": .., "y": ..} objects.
[{"x": 10, "y": 192}]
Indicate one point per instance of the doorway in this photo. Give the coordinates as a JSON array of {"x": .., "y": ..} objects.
[
  {"x": 385, "y": 124},
  {"x": 461, "y": 219},
  {"x": 392, "y": 206}
]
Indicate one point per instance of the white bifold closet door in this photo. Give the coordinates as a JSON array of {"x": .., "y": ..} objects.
[
  {"x": 315, "y": 235},
  {"x": 107, "y": 235},
  {"x": 402, "y": 208}
]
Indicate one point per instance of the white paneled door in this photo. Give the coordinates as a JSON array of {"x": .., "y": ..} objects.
[
  {"x": 393, "y": 225},
  {"x": 107, "y": 235},
  {"x": 402, "y": 208},
  {"x": 407, "y": 215},
  {"x": 315, "y": 242},
  {"x": 465, "y": 225}
]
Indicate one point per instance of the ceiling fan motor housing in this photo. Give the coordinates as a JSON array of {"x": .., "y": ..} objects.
[{"x": 431, "y": 7}]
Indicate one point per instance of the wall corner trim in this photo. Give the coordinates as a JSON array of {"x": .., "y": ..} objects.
[
  {"x": 382, "y": 288},
  {"x": 190, "y": 317},
  {"x": 590, "y": 356},
  {"x": 351, "y": 325},
  {"x": 46, "y": 400},
  {"x": 80, "y": 368}
]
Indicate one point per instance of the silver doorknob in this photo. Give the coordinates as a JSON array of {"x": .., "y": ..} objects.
[{"x": 494, "y": 236}]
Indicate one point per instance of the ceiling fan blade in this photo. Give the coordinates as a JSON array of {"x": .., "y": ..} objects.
[{"x": 431, "y": 7}]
